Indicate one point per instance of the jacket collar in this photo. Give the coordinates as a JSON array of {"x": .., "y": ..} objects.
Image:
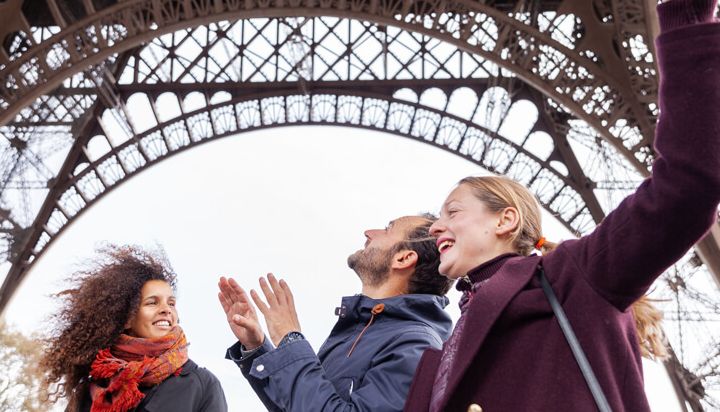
[
  {"x": 489, "y": 302},
  {"x": 428, "y": 309},
  {"x": 188, "y": 368}
]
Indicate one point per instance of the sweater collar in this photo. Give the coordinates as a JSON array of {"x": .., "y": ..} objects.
[{"x": 484, "y": 271}]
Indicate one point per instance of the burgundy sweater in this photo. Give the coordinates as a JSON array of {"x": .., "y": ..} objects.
[{"x": 511, "y": 354}]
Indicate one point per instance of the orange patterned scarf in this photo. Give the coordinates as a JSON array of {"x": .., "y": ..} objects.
[{"x": 131, "y": 362}]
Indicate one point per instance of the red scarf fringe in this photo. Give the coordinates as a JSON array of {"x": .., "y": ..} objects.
[{"x": 131, "y": 362}]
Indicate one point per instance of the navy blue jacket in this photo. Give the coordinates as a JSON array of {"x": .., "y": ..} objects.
[{"x": 375, "y": 377}]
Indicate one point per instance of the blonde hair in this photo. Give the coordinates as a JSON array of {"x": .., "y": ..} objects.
[
  {"x": 648, "y": 322},
  {"x": 500, "y": 192}
]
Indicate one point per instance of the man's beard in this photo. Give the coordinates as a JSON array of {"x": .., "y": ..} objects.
[{"x": 371, "y": 265}]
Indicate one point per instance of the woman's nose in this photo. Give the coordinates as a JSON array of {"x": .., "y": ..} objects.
[{"x": 436, "y": 228}]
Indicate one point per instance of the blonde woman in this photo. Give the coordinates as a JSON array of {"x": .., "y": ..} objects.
[{"x": 507, "y": 352}]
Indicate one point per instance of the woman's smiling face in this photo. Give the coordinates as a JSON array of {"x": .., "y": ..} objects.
[
  {"x": 466, "y": 233},
  {"x": 157, "y": 314}
]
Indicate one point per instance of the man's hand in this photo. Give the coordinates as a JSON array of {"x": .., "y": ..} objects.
[
  {"x": 240, "y": 314},
  {"x": 279, "y": 312}
]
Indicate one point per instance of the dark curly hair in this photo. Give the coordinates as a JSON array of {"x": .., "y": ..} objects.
[{"x": 94, "y": 312}]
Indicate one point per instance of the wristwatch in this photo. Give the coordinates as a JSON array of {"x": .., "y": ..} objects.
[{"x": 291, "y": 337}]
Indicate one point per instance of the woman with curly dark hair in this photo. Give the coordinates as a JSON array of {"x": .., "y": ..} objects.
[{"x": 117, "y": 345}]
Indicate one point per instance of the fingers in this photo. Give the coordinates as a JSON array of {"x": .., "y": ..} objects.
[
  {"x": 267, "y": 291},
  {"x": 240, "y": 295},
  {"x": 264, "y": 309},
  {"x": 282, "y": 292},
  {"x": 278, "y": 290},
  {"x": 232, "y": 291},
  {"x": 224, "y": 302},
  {"x": 277, "y": 293},
  {"x": 290, "y": 300},
  {"x": 233, "y": 299},
  {"x": 226, "y": 290},
  {"x": 237, "y": 290},
  {"x": 242, "y": 321},
  {"x": 288, "y": 293}
]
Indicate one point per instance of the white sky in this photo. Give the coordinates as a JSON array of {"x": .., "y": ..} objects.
[{"x": 293, "y": 200}]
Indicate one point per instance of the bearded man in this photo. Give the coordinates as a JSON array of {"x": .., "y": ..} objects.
[{"x": 368, "y": 361}]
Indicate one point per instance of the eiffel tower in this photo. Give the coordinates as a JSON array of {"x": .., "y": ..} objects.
[{"x": 559, "y": 95}]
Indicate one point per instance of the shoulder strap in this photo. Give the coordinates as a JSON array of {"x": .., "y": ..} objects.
[{"x": 577, "y": 351}]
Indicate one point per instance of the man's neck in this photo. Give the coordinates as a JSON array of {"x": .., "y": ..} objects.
[{"x": 384, "y": 290}]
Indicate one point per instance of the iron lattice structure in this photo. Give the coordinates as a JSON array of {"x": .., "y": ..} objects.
[{"x": 560, "y": 95}]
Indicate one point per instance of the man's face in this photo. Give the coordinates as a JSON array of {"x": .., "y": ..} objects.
[{"x": 372, "y": 264}]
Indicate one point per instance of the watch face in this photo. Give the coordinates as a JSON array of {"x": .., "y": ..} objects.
[{"x": 291, "y": 337}]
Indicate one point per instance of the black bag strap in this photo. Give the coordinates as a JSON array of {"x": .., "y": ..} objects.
[{"x": 572, "y": 340}]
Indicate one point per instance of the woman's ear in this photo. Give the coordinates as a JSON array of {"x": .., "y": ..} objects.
[
  {"x": 129, "y": 322},
  {"x": 508, "y": 221}
]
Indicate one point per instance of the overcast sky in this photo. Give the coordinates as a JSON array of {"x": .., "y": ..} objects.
[{"x": 294, "y": 201}]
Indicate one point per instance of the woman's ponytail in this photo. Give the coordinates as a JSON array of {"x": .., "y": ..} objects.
[{"x": 651, "y": 338}]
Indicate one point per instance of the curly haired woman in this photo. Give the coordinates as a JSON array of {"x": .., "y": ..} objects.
[{"x": 117, "y": 345}]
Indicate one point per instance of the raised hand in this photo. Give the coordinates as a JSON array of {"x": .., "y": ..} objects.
[
  {"x": 240, "y": 313},
  {"x": 279, "y": 311}
]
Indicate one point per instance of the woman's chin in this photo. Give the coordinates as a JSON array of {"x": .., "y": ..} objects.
[
  {"x": 448, "y": 272},
  {"x": 157, "y": 333}
]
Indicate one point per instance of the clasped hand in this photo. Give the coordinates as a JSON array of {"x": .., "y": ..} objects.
[{"x": 279, "y": 311}]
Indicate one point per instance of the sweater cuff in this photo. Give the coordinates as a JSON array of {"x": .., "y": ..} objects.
[{"x": 674, "y": 14}]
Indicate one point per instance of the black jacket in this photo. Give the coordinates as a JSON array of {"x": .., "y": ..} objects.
[{"x": 196, "y": 389}]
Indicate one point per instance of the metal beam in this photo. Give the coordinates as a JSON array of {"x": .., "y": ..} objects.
[{"x": 709, "y": 251}]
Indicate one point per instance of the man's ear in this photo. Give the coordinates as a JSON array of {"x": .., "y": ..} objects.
[
  {"x": 404, "y": 259},
  {"x": 508, "y": 220}
]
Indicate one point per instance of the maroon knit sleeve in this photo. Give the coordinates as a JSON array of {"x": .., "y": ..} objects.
[
  {"x": 654, "y": 227},
  {"x": 674, "y": 14}
]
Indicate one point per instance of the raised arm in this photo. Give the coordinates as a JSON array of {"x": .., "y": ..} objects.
[
  {"x": 296, "y": 380},
  {"x": 244, "y": 323},
  {"x": 292, "y": 375},
  {"x": 670, "y": 211}
]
